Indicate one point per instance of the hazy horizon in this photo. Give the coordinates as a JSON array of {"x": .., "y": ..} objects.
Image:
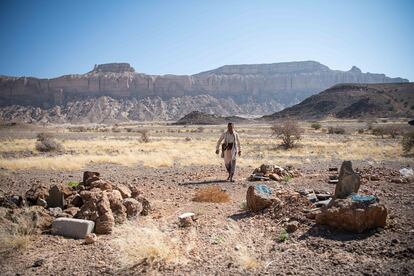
[{"x": 48, "y": 39}]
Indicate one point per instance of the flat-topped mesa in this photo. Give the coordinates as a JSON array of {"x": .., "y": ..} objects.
[{"x": 113, "y": 68}]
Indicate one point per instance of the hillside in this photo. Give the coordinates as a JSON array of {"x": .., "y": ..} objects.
[
  {"x": 201, "y": 118},
  {"x": 254, "y": 89},
  {"x": 355, "y": 101}
]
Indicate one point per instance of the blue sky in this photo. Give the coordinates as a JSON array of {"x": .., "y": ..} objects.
[{"x": 51, "y": 38}]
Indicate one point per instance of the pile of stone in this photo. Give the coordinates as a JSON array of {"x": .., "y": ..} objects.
[
  {"x": 95, "y": 204},
  {"x": 349, "y": 210},
  {"x": 318, "y": 198},
  {"x": 282, "y": 204},
  {"x": 268, "y": 172},
  {"x": 404, "y": 175}
]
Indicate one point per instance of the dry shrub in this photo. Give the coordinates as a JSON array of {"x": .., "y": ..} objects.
[
  {"x": 144, "y": 135},
  {"x": 211, "y": 194},
  {"x": 18, "y": 235},
  {"x": 46, "y": 143},
  {"x": 408, "y": 142},
  {"x": 139, "y": 244},
  {"x": 289, "y": 131},
  {"x": 336, "y": 130}
]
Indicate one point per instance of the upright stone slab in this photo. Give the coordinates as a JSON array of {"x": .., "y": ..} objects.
[
  {"x": 259, "y": 197},
  {"x": 348, "y": 181},
  {"x": 72, "y": 228},
  {"x": 55, "y": 198}
]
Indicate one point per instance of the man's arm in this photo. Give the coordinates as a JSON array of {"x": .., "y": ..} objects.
[{"x": 219, "y": 142}]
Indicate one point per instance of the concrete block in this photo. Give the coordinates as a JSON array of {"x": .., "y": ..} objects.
[{"x": 72, "y": 228}]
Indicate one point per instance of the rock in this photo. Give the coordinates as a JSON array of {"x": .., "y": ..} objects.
[
  {"x": 39, "y": 262},
  {"x": 374, "y": 178},
  {"x": 37, "y": 192},
  {"x": 312, "y": 197},
  {"x": 75, "y": 200},
  {"x": 123, "y": 189},
  {"x": 135, "y": 192},
  {"x": 55, "y": 198},
  {"x": 346, "y": 214},
  {"x": 259, "y": 197},
  {"x": 97, "y": 208},
  {"x": 323, "y": 203},
  {"x": 275, "y": 177},
  {"x": 265, "y": 169},
  {"x": 146, "y": 205},
  {"x": 90, "y": 238},
  {"x": 117, "y": 206},
  {"x": 292, "y": 226},
  {"x": 186, "y": 219},
  {"x": 106, "y": 220},
  {"x": 333, "y": 181},
  {"x": 12, "y": 201},
  {"x": 333, "y": 169},
  {"x": 89, "y": 177},
  {"x": 133, "y": 207},
  {"x": 397, "y": 180},
  {"x": 101, "y": 184},
  {"x": 72, "y": 211},
  {"x": 56, "y": 211},
  {"x": 72, "y": 228},
  {"x": 323, "y": 196},
  {"x": 348, "y": 181}
]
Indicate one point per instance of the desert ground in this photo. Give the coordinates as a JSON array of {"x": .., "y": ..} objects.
[{"x": 174, "y": 165}]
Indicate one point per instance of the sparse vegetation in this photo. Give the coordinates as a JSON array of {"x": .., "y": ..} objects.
[
  {"x": 46, "y": 143},
  {"x": 144, "y": 135},
  {"x": 73, "y": 184},
  {"x": 336, "y": 130},
  {"x": 289, "y": 132},
  {"x": 408, "y": 142},
  {"x": 316, "y": 125},
  {"x": 283, "y": 235},
  {"x": 211, "y": 194}
]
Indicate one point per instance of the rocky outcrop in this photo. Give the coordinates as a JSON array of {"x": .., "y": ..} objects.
[
  {"x": 201, "y": 118},
  {"x": 253, "y": 89}
]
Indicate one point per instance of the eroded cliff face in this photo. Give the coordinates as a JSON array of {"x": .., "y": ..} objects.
[{"x": 280, "y": 84}]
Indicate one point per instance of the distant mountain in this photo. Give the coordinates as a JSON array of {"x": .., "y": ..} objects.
[
  {"x": 201, "y": 118},
  {"x": 355, "y": 101},
  {"x": 229, "y": 90}
]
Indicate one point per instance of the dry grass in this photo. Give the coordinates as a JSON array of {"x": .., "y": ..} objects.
[
  {"x": 167, "y": 149},
  {"x": 147, "y": 244},
  {"x": 16, "y": 234},
  {"x": 211, "y": 194}
]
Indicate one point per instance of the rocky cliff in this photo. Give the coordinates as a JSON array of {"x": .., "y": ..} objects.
[{"x": 248, "y": 89}]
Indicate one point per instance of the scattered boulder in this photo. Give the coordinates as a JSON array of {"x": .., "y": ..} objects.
[
  {"x": 75, "y": 200},
  {"x": 12, "y": 201},
  {"x": 273, "y": 172},
  {"x": 71, "y": 211},
  {"x": 186, "y": 219},
  {"x": 348, "y": 181},
  {"x": 117, "y": 207},
  {"x": 353, "y": 215},
  {"x": 101, "y": 184},
  {"x": 89, "y": 177},
  {"x": 123, "y": 189},
  {"x": 292, "y": 226},
  {"x": 133, "y": 207},
  {"x": 73, "y": 228},
  {"x": 90, "y": 238},
  {"x": 37, "y": 194},
  {"x": 259, "y": 197}
]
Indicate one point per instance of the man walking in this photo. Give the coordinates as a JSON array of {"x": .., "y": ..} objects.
[{"x": 230, "y": 148}]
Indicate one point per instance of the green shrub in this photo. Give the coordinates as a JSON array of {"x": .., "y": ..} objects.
[
  {"x": 283, "y": 235},
  {"x": 316, "y": 125},
  {"x": 73, "y": 184}
]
